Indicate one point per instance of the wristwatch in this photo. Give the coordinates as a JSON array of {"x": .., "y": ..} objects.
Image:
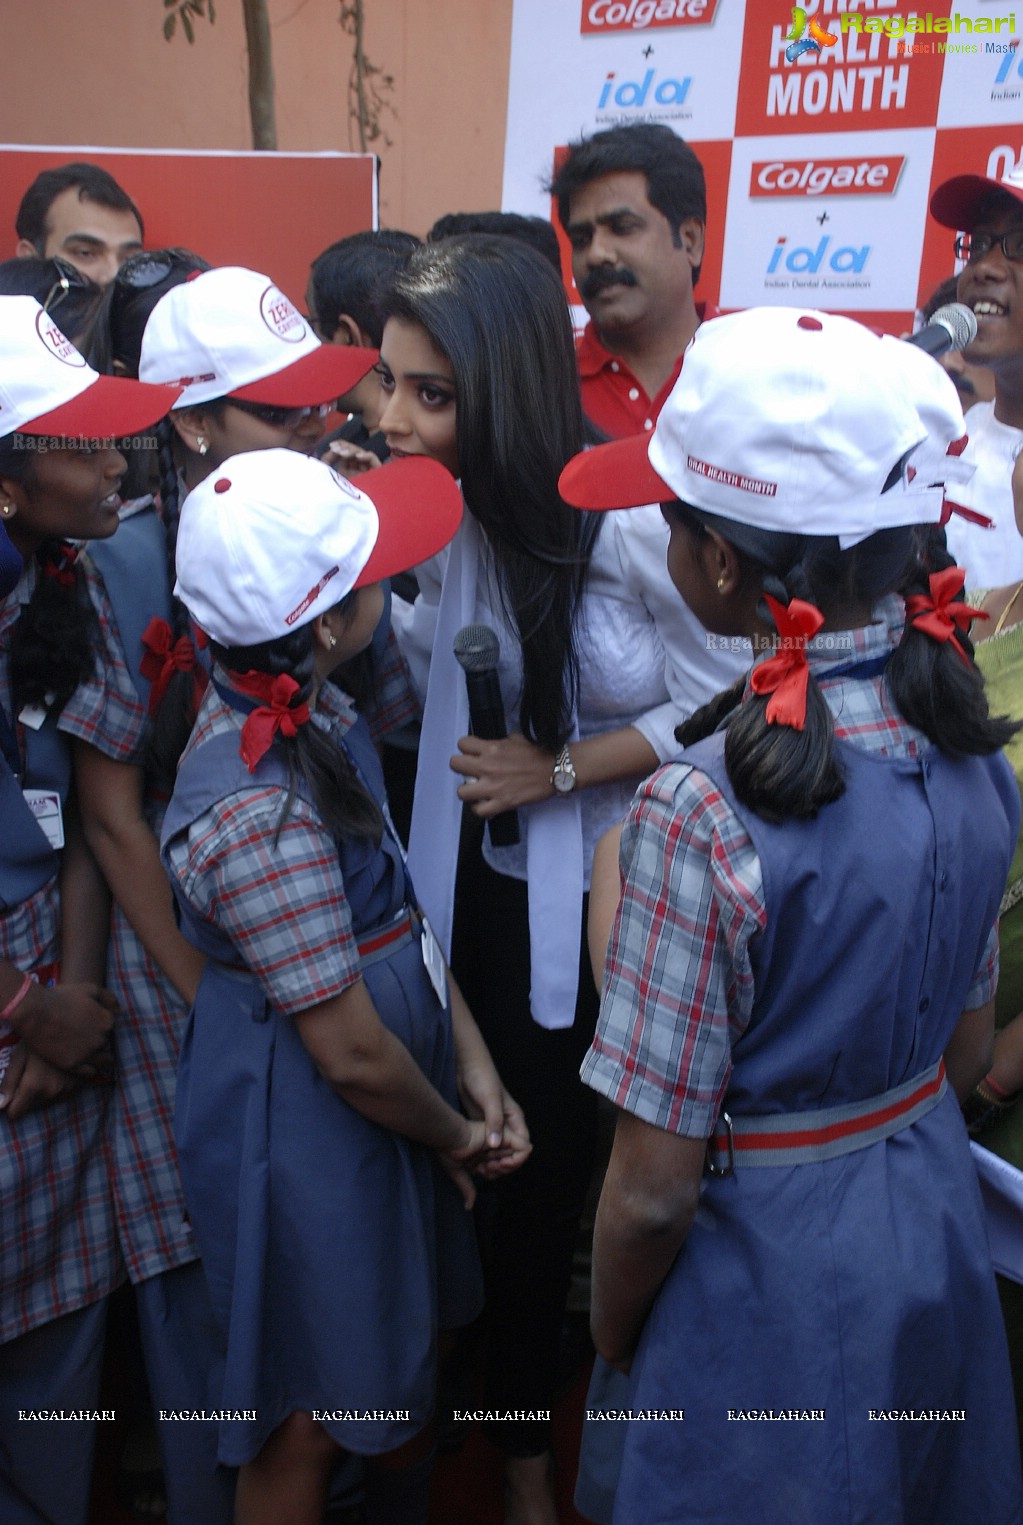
[{"x": 563, "y": 778}]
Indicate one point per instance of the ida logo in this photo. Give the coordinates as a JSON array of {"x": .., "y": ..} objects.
[
  {"x": 637, "y": 15},
  {"x": 1010, "y": 68},
  {"x": 281, "y": 316},
  {"x": 634, "y": 94},
  {"x": 836, "y": 177},
  {"x": 807, "y": 261}
]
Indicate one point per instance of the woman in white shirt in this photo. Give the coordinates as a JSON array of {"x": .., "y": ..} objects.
[{"x": 597, "y": 663}]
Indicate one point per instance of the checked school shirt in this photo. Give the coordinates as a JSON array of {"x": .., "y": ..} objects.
[
  {"x": 275, "y": 891},
  {"x": 679, "y": 982},
  {"x": 58, "y": 1249}
]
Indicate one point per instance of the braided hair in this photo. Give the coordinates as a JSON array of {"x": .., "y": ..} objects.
[
  {"x": 343, "y": 804},
  {"x": 783, "y": 773},
  {"x": 53, "y": 642}
]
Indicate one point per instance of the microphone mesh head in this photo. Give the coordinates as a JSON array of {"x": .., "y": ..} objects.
[
  {"x": 959, "y": 321},
  {"x": 477, "y": 648}
]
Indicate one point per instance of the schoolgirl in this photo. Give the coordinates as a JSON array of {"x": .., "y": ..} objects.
[
  {"x": 596, "y": 661},
  {"x": 59, "y": 1256},
  {"x": 316, "y": 1093},
  {"x": 135, "y": 713},
  {"x": 790, "y": 1246}
]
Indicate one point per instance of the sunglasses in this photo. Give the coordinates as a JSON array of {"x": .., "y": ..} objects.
[
  {"x": 68, "y": 276},
  {"x": 971, "y": 246},
  {"x": 281, "y": 417},
  {"x": 140, "y": 271}
]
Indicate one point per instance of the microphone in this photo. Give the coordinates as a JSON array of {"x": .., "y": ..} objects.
[
  {"x": 951, "y": 327},
  {"x": 476, "y": 651}
]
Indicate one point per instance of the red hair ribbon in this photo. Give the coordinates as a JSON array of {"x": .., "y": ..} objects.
[
  {"x": 276, "y": 713},
  {"x": 58, "y": 564},
  {"x": 938, "y": 615},
  {"x": 785, "y": 674},
  {"x": 163, "y": 657}
]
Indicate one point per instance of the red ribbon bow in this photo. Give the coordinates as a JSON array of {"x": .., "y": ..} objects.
[
  {"x": 785, "y": 674},
  {"x": 275, "y": 714},
  {"x": 163, "y": 657},
  {"x": 939, "y": 616},
  {"x": 59, "y": 564}
]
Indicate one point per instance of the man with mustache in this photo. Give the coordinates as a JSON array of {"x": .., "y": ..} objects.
[
  {"x": 987, "y": 215},
  {"x": 633, "y": 203}
]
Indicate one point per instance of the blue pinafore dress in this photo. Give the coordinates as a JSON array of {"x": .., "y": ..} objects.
[
  {"x": 830, "y": 1328},
  {"x": 334, "y": 1248}
]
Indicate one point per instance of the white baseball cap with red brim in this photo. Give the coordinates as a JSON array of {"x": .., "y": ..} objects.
[
  {"x": 231, "y": 332},
  {"x": 47, "y": 386},
  {"x": 274, "y": 538},
  {"x": 794, "y": 421}
]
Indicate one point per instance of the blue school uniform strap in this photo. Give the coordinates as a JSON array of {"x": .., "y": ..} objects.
[
  {"x": 133, "y": 566},
  {"x": 27, "y": 861}
]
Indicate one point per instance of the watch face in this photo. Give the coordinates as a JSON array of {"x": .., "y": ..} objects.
[{"x": 563, "y": 780}]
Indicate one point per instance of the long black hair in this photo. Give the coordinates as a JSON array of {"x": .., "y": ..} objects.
[
  {"x": 53, "y": 643},
  {"x": 496, "y": 309},
  {"x": 343, "y": 804},
  {"x": 783, "y": 773}
]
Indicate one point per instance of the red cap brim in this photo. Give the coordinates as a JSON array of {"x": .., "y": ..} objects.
[
  {"x": 618, "y": 475},
  {"x": 419, "y": 505},
  {"x": 958, "y": 202},
  {"x": 112, "y": 408},
  {"x": 322, "y": 375}
]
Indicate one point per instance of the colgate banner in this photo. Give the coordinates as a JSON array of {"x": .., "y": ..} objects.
[
  {"x": 636, "y": 15},
  {"x": 822, "y": 128},
  {"x": 864, "y": 176}
]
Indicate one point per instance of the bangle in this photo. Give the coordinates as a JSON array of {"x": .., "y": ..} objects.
[
  {"x": 17, "y": 998},
  {"x": 996, "y": 1091}
]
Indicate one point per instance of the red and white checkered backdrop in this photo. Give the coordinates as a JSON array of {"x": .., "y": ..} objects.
[{"x": 819, "y": 170}]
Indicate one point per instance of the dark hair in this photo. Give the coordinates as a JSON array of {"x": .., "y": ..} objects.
[
  {"x": 125, "y": 307},
  {"x": 496, "y": 309},
  {"x": 674, "y": 175},
  {"x": 783, "y": 773},
  {"x": 52, "y": 646},
  {"x": 343, "y": 804},
  {"x": 347, "y": 278},
  {"x": 535, "y": 231},
  {"x": 72, "y": 305},
  {"x": 93, "y": 184},
  {"x": 173, "y": 721},
  {"x": 939, "y": 297}
]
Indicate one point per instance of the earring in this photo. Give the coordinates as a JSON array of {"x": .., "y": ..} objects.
[
  {"x": 333, "y": 641},
  {"x": 200, "y": 444},
  {"x": 6, "y": 510},
  {"x": 721, "y": 582}
]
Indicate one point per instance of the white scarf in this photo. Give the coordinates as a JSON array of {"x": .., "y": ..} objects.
[{"x": 553, "y": 828}]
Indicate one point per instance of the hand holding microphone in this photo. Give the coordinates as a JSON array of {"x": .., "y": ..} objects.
[{"x": 477, "y": 649}]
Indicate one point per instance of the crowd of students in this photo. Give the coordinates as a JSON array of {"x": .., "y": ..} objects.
[{"x": 260, "y": 1061}]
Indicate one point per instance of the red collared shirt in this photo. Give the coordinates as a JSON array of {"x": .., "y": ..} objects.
[{"x": 612, "y": 397}]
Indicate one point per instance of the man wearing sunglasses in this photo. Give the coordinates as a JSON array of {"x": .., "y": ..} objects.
[
  {"x": 79, "y": 212},
  {"x": 987, "y": 216}
]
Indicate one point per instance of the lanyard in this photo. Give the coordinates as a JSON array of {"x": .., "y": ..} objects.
[
  {"x": 9, "y": 743},
  {"x": 868, "y": 667}
]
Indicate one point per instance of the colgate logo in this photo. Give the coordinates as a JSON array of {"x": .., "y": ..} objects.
[
  {"x": 837, "y": 177},
  {"x": 637, "y": 15}
]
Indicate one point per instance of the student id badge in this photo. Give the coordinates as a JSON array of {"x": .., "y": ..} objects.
[
  {"x": 433, "y": 959},
  {"x": 45, "y": 806}
]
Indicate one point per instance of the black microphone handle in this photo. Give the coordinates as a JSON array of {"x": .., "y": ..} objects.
[{"x": 486, "y": 717}]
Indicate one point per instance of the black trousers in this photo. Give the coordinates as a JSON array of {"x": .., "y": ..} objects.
[{"x": 528, "y": 1221}]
